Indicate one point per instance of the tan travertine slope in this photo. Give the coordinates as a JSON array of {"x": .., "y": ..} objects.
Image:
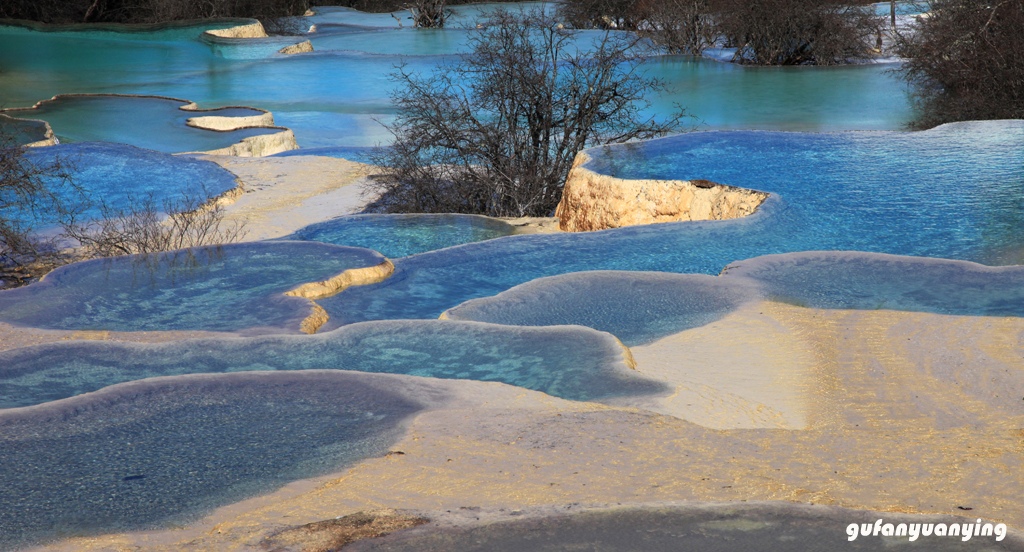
[
  {"x": 283, "y": 194},
  {"x": 592, "y": 201},
  {"x": 748, "y": 370},
  {"x": 901, "y": 412}
]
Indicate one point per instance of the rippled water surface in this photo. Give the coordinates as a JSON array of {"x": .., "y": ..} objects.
[
  {"x": 155, "y": 123},
  {"x": 335, "y": 95},
  {"x": 85, "y": 449},
  {"x": 226, "y": 288},
  {"x": 153, "y": 453},
  {"x": 962, "y": 197},
  {"x": 570, "y": 362}
]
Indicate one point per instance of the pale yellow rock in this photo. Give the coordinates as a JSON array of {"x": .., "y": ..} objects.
[
  {"x": 353, "y": 277},
  {"x": 318, "y": 290},
  {"x": 300, "y": 48},
  {"x": 592, "y": 201},
  {"x": 224, "y": 124},
  {"x": 252, "y": 30},
  {"x": 316, "y": 319}
]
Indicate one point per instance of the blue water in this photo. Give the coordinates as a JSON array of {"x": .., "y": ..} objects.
[
  {"x": 570, "y": 362},
  {"x": 338, "y": 95},
  {"x": 360, "y": 154},
  {"x": 22, "y": 131},
  {"x": 163, "y": 451},
  {"x": 150, "y": 454},
  {"x": 955, "y": 192},
  {"x": 225, "y": 288},
  {"x": 397, "y": 236},
  {"x": 121, "y": 175},
  {"x": 852, "y": 280}
]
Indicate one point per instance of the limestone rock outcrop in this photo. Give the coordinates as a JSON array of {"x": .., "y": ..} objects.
[
  {"x": 252, "y": 30},
  {"x": 592, "y": 201}
]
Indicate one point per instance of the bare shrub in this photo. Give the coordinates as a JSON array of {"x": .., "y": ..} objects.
[
  {"x": 796, "y": 32},
  {"x": 146, "y": 227},
  {"x": 428, "y": 14},
  {"x": 966, "y": 59}
]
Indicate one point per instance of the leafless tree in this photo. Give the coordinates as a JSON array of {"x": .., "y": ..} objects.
[
  {"x": 42, "y": 224},
  {"x": 966, "y": 59},
  {"x": 497, "y": 131}
]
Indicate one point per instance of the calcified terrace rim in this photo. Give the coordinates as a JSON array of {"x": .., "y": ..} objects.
[
  {"x": 331, "y": 286},
  {"x": 263, "y": 118},
  {"x": 308, "y": 291},
  {"x": 884, "y": 281},
  {"x": 48, "y": 137}
]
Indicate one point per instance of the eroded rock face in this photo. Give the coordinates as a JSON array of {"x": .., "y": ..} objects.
[
  {"x": 592, "y": 201},
  {"x": 252, "y": 30}
]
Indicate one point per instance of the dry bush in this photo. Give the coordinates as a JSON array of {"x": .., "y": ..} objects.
[
  {"x": 146, "y": 227},
  {"x": 626, "y": 15},
  {"x": 966, "y": 60},
  {"x": 796, "y": 32},
  {"x": 428, "y": 14},
  {"x": 766, "y": 32},
  {"x": 682, "y": 26}
]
